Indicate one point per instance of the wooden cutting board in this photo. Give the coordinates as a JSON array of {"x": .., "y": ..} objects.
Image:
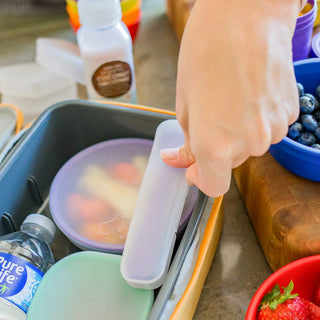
[
  {"x": 178, "y": 12},
  {"x": 284, "y": 209}
]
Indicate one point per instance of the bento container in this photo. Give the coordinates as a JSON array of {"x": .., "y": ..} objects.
[{"x": 67, "y": 128}]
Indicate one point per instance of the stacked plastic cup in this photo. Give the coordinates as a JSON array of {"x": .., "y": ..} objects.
[
  {"x": 131, "y": 15},
  {"x": 317, "y": 21},
  {"x": 301, "y": 41}
]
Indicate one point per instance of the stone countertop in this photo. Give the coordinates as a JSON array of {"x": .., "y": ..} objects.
[{"x": 239, "y": 266}]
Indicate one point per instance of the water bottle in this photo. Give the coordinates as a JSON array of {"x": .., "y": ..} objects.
[{"x": 25, "y": 256}]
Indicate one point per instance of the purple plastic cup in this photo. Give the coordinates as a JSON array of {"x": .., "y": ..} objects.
[{"x": 301, "y": 41}]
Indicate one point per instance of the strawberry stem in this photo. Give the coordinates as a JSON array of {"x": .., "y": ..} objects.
[{"x": 275, "y": 297}]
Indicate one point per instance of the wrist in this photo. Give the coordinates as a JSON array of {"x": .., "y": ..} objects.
[{"x": 284, "y": 10}]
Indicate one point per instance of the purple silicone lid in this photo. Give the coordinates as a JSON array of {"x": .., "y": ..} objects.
[{"x": 92, "y": 195}]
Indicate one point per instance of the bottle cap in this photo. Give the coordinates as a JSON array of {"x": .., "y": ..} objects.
[
  {"x": 42, "y": 221},
  {"x": 99, "y": 13}
]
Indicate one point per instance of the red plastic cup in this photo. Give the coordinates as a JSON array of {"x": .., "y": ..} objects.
[{"x": 301, "y": 41}]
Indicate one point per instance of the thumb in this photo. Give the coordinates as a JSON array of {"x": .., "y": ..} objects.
[{"x": 180, "y": 157}]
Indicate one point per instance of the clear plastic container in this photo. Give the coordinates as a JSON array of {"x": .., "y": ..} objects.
[
  {"x": 92, "y": 197},
  {"x": 154, "y": 223},
  {"x": 25, "y": 256}
]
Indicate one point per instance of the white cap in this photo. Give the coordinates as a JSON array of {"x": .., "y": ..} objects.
[
  {"x": 41, "y": 221},
  {"x": 99, "y": 13}
]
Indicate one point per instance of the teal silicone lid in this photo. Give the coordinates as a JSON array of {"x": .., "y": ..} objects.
[{"x": 88, "y": 285}]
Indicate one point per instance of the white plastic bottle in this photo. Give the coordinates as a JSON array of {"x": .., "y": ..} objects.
[
  {"x": 24, "y": 258},
  {"x": 106, "y": 49}
]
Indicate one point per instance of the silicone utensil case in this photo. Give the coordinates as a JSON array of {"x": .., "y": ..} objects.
[{"x": 157, "y": 213}]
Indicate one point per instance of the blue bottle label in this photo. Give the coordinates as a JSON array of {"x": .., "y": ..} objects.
[{"x": 19, "y": 280}]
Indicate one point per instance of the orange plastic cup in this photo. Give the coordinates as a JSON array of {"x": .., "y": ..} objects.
[{"x": 130, "y": 17}]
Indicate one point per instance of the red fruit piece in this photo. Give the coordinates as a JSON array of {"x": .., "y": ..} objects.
[
  {"x": 316, "y": 296},
  {"x": 95, "y": 209},
  {"x": 126, "y": 172},
  {"x": 74, "y": 202},
  {"x": 277, "y": 305}
]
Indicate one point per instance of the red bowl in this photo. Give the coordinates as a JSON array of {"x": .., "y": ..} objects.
[{"x": 305, "y": 274}]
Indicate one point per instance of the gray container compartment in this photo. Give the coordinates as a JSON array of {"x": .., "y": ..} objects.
[{"x": 59, "y": 133}]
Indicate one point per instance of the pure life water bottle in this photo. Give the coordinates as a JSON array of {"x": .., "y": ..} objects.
[{"x": 24, "y": 257}]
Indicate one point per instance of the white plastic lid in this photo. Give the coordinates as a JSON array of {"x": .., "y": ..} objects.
[
  {"x": 30, "y": 80},
  {"x": 61, "y": 57},
  {"x": 152, "y": 232},
  {"x": 42, "y": 221},
  {"x": 99, "y": 13}
]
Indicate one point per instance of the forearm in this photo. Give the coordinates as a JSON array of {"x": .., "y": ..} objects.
[
  {"x": 248, "y": 11},
  {"x": 236, "y": 90}
]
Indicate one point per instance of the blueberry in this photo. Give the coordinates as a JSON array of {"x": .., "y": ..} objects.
[
  {"x": 306, "y": 104},
  {"x": 300, "y": 89},
  {"x": 316, "y": 146},
  {"x": 316, "y": 104},
  {"x": 307, "y": 138},
  {"x": 295, "y": 130},
  {"x": 311, "y": 96},
  {"x": 317, "y": 133},
  {"x": 309, "y": 123},
  {"x": 316, "y": 115},
  {"x": 318, "y": 91}
]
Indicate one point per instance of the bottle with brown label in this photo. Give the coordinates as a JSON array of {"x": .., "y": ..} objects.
[{"x": 106, "y": 49}]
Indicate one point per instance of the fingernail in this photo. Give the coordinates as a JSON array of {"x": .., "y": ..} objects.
[{"x": 169, "y": 154}]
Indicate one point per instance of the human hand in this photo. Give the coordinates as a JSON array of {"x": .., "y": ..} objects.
[{"x": 236, "y": 89}]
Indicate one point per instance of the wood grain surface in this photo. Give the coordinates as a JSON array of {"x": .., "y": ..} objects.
[{"x": 284, "y": 209}]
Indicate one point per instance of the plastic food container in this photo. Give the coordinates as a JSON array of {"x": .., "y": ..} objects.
[
  {"x": 156, "y": 214},
  {"x": 92, "y": 285},
  {"x": 64, "y": 130},
  {"x": 93, "y": 196},
  {"x": 297, "y": 158}
]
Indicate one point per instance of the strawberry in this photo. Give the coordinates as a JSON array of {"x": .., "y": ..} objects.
[
  {"x": 316, "y": 296},
  {"x": 277, "y": 305}
]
